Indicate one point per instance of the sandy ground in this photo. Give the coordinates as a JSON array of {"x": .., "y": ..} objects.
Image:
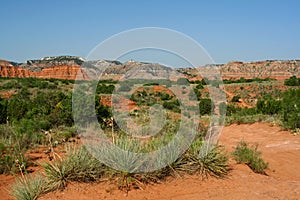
[{"x": 280, "y": 148}]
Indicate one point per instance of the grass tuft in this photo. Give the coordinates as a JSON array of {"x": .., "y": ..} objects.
[
  {"x": 78, "y": 165},
  {"x": 28, "y": 187}
]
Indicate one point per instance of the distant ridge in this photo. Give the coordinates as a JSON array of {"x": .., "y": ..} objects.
[{"x": 69, "y": 67}]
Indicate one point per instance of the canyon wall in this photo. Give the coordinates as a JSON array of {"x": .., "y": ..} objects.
[{"x": 68, "y": 67}]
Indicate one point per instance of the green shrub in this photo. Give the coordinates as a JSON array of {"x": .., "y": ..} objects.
[
  {"x": 105, "y": 89},
  {"x": 205, "y": 106},
  {"x": 250, "y": 156},
  {"x": 173, "y": 105},
  {"x": 268, "y": 105},
  {"x": 13, "y": 147},
  {"x": 165, "y": 96},
  {"x": 236, "y": 98},
  {"x": 291, "y": 108},
  {"x": 292, "y": 81}
]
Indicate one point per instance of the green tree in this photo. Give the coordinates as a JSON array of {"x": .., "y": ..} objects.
[
  {"x": 291, "y": 108},
  {"x": 292, "y": 81},
  {"x": 205, "y": 106}
]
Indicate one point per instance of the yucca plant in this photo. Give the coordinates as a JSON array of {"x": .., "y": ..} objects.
[
  {"x": 207, "y": 160},
  {"x": 214, "y": 163},
  {"x": 78, "y": 165},
  {"x": 28, "y": 187}
]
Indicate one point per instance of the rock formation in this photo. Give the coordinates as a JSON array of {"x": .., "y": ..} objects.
[{"x": 69, "y": 67}]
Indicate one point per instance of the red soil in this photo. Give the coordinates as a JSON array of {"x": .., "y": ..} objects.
[
  {"x": 280, "y": 148},
  {"x": 7, "y": 94},
  {"x": 122, "y": 105},
  {"x": 159, "y": 88}
]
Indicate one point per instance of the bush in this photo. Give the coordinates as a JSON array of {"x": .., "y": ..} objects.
[
  {"x": 250, "y": 156},
  {"x": 165, "y": 96},
  {"x": 173, "y": 105},
  {"x": 12, "y": 149},
  {"x": 236, "y": 99},
  {"x": 105, "y": 89},
  {"x": 268, "y": 105},
  {"x": 292, "y": 81},
  {"x": 205, "y": 106},
  {"x": 291, "y": 108}
]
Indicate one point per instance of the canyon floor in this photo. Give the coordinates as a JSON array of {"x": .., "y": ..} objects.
[{"x": 280, "y": 149}]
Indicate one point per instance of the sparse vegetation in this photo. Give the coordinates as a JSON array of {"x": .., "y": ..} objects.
[
  {"x": 41, "y": 106},
  {"x": 250, "y": 156},
  {"x": 77, "y": 165},
  {"x": 29, "y": 187}
]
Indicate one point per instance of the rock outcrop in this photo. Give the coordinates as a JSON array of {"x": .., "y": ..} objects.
[
  {"x": 276, "y": 69},
  {"x": 63, "y": 67},
  {"x": 70, "y": 67}
]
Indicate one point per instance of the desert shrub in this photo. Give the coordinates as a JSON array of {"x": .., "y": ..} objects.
[
  {"x": 173, "y": 105},
  {"x": 230, "y": 110},
  {"x": 43, "y": 85},
  {"x": 13, "y": 84},
  {"x": 245, "y": 119},
  {"x": 199, "y": 86},
  {"x": 205, "y": 106},
  {"x": 250, "y": 156},
  {"x": 268, "y": 105},
  {"x": 165, "y": 96},
  {"x": 246, "y": 111},
  {"x": 126, "y": 181},
  {"x": 12, "y": 149},
  {"x": 78, "y": 165},
  {"x": 236, "y": 98},
  {"x": 244, "y": 80},
  {"x": 17, "y": 108},
  {"x": 209, "y": 160},
  {"x": 291, "y": 108},
  {"x": 105, "y": 89},
  {"x": 292, "y": 81},
  {"x": 28, "y": 187}
]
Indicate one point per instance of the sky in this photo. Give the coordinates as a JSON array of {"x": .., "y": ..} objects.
[{"x": 231, "y": 30}]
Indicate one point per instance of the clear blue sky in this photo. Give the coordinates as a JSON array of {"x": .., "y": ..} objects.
[{"x": 229, "y": 30}]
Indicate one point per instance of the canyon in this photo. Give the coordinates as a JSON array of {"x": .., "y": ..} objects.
[{"x": 71, "y": 67}]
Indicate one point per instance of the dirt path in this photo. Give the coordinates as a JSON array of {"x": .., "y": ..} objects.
[{"x": 280, "y": 148}]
